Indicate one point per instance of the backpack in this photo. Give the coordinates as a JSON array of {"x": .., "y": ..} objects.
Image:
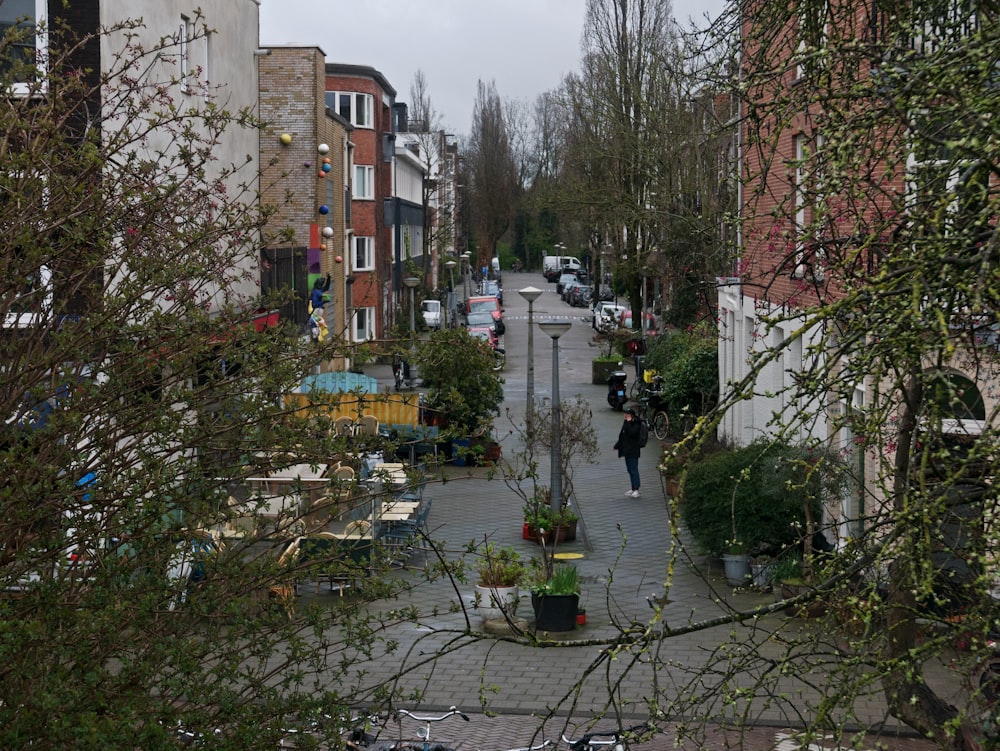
[{"x": 643, "y": 434}]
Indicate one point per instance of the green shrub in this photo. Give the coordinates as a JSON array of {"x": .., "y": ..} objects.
[
  {"x": 756, "y": 494},
  {"x": 688, "y": 362}
]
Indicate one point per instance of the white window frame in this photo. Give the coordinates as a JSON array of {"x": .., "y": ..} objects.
[
  {"x": 367, "y": 316},
  {"x": 41, "y": 50},
  {"x": 810, "y": 269},
  {"x": 364, "y": 183},
  {"x": 363, "y": 255},
  {"x": 184, "y": 53},
  {"x": 360, "y": 108},
  {"x": 41, "y": 291}
]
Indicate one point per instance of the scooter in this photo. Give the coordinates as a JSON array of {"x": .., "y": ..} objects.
[{"x": 617, "y": 393}]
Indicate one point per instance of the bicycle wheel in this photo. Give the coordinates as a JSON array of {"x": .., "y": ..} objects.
[
  {"x": 636, "y": 389},
  {"x": 499, "y": 360},
  {"x": 661, "y": 424}
]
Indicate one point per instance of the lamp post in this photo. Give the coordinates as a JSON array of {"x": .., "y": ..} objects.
[
  {"x": 450, "y": 265},
  {"x": 555, "y": 329},
  {"x": 465, "y": 257},
  {"x": 411, "y": 283},
  {"x": 530, "y": 294}
]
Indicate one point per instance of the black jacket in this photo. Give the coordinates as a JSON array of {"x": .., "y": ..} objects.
[{"x": 628, "y": 438}]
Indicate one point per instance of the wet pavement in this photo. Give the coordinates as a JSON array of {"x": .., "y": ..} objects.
[{"x": 622, "y": 551}]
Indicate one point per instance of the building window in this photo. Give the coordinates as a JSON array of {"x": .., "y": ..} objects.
[
  {"x": 364, "y": 182},
  {"x": 27, "y": 290},
  {"x": 363, "y": 328},
  {"x": 184, "y": 34},
  {"x": 364, "y": 253},
  {"x": 28, "y": 16},
  {"x": 355, "y": 108}
]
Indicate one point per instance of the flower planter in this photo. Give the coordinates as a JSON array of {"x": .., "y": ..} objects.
[
  {"x": 555, "y": 612},
  {"x": 556, "y": 535},
  {"x": 737, "y": 568},
  {"x": 497, "y": 603}
]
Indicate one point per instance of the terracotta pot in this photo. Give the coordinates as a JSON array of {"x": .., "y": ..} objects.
[{"x": 554, "y": 536}]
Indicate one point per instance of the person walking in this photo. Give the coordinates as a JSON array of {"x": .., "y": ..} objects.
[{"x": 628, "y": 446}]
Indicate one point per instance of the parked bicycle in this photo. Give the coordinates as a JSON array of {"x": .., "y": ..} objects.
[
  {"x": 653, "y": 409},
  {"x": 361, "y": 738},
  {"x": 601, "y": 739}
]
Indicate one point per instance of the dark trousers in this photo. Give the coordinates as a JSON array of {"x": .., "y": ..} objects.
[{"x": 632, "y": 465}]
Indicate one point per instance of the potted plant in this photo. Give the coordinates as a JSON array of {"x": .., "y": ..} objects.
[
  {"x": 736, "y": 560},
  {"x": 547, "y": 526},
  {"x": 555, "y": 595},
  {"x": 500, "y": 573}
]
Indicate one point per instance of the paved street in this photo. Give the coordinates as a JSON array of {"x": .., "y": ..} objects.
[{"x": 624, "y": 544}]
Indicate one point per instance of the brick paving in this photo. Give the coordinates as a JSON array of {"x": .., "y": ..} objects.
[{"x": 623, "y": 543}]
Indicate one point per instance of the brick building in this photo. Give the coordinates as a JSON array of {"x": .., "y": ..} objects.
[
  {"x": 306, "y": 156},
  {"x": 364, "y": 98}
]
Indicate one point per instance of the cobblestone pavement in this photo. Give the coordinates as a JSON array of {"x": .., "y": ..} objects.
[{"x": 622, "y": 544}]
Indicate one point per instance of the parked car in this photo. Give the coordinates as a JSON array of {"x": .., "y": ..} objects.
[
  {"x": 489, "y": 305},
  {"x": 485, "y": 333},
  {"x": 490, "y": 288},
  {"x": 483, "y": 319},
  {"x": 625, "y": 322},
  {"x": 580, "y": 295},
  {"x": 608, "y": 317},
  {"x": 431, "y": 310},
  {"x": 568, "y": 288},
  {"x": 563, "y": 279}
]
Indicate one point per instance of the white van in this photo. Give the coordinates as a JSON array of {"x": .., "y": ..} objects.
[{"x": 552, "y": 266}]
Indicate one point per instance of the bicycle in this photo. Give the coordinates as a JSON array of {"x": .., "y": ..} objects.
[
  {"x": 600, "y": 739},
  {"x": 654, "y": 412},
  {"x": 424, "y": 732}
]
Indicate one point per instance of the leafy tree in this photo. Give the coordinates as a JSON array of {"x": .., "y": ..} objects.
[
  {"x": 136, "y": 399},
  {"x": 465, "y": 391}
]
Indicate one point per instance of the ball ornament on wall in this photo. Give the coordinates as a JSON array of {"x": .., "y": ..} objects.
[
  {"x": 324, "y": 209},
  {"x": 323, "y": 148},
  {"x": 286, "y": 138},
  {"x": 328, "y": 232}
]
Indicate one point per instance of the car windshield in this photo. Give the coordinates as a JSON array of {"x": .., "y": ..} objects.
[
  {"x": 478, "y": 306},
  {"x": 479, "y": 319}
]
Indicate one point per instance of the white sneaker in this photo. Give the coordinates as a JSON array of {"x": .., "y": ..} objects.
[
  {"x": 628, "y": 494},
  {"x": 634, "y": 494}
]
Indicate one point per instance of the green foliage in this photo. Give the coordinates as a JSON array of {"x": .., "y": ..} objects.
[
  {"x": 562, "y": 579},
  {"x": 500, "y": 567},
  {"x": 688, "y": 363},
  {"x": 757, "y": 495},
  {"x": 463, "y": 387}
]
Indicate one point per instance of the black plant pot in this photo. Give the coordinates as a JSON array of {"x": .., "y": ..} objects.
[{"x": 555, "y": 612}]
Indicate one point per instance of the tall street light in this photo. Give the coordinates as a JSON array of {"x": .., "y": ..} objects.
[
  {"x": 530, "y": 294},
  {"x": 411, "y": 282},
  {"x": 555, "y": 329},
  {"x": 468, "y": 269},
  {"x": 450, "y": 265}
]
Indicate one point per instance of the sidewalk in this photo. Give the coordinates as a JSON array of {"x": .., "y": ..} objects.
[{"x": 623, "y": 542}]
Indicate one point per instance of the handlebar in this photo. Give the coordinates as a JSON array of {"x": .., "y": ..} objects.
[
  {"x": 539, "y": 747},
  {"x": 592, "y": 740},
  {"x": 427, "y": 718}
]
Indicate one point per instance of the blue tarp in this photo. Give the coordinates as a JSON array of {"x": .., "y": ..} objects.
[{"x": 340, "y": 383}]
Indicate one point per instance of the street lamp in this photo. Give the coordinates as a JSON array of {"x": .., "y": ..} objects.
[
  {"x": 450, "y": 265},
  {"x": 411, "y": 282},
  {"x": 555, "y": 329},
  {"x": 530, "y": 294},
  {"x": 465, "y": 257}
]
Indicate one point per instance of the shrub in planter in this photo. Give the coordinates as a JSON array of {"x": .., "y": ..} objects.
[
  {"x": 500, "y": 573},
  {"x": 761, "y": 495}
]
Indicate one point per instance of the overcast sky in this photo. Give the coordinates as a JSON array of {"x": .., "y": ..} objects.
[{"x": 525, "y": 46}]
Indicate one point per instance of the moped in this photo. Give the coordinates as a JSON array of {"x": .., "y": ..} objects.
[{"x": 617, "y": 393}]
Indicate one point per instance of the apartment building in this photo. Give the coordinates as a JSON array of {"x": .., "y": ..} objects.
[
  {"x": 846, "y": 171},
  {"x": 306, "y": 158},
  {"x": 364, "y": 98}
]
